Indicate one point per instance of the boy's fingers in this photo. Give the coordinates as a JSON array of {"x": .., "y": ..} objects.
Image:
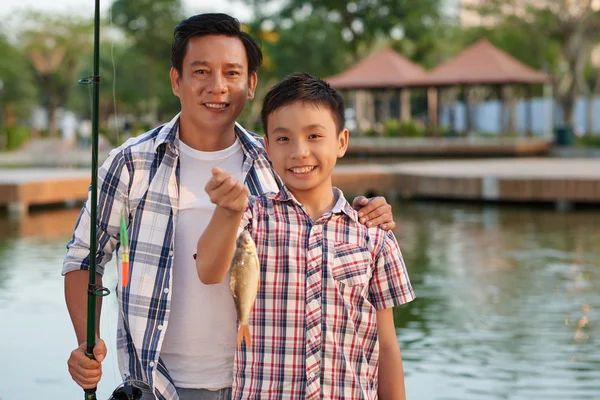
[
  {"x": 224, "y": 189},
  {"x": 217, "y": 180}
]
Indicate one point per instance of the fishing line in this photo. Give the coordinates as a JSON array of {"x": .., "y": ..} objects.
[{"x": 114, "y": 82}]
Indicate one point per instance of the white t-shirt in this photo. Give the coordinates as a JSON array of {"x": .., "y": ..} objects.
[{"x": 200, "y": 340}]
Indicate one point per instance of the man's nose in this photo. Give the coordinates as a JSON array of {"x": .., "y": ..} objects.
[{"x": 218, "y": 84}]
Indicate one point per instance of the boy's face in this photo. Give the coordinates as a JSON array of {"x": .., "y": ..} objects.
[
  {"x": 214, "y": 84},
  {"x": 303, "y": 144}
]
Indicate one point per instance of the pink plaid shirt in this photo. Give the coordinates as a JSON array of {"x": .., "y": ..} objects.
[{"x": 314, "y": 326}]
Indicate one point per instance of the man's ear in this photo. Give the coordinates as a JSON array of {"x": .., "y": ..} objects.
[
  {"x": 342, "y": 143},
  {"x": 252, "y": 82},
  {"x": 174, "y": 81}
]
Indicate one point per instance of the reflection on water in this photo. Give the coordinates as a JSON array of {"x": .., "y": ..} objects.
[{"x": 508, "y": 304}]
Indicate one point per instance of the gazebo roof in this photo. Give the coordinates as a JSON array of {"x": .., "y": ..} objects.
[
  {"x": 483, "y": 64},
  {"x": 382, "y": 69}
]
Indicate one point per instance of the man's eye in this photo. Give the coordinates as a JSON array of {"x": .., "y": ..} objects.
[
  {"x": 200, "y": 71},
  {"x": 234, "y": 73}
]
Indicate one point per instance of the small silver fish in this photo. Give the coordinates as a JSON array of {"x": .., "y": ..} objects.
[{"x": 244, "y": 276}]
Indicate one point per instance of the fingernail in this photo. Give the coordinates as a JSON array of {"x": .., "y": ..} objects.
[
  {"x": 360, "y": 214},
  {"x": 369, "y": 223},
  {"x": 100, "y": 358},
  {"x": 362, "y": 220}
]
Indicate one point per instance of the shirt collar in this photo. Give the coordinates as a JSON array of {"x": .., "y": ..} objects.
[
  {"x": 252, "y": 144},
  {"x": 341, "y": 205}
]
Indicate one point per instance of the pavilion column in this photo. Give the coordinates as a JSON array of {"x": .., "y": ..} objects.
[
  {"x": 385, "y": 96},
  {"x": 359, "y": 109},
  {"x": 405, "y": 111},
  {"x": 432, "y": 107},
  {"x": 467, "y": 103},
  {"x": 529, "y": 110}
]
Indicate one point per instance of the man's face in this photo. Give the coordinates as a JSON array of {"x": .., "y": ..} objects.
[
  {"x": 303, "y": 145},
  {"x": 214, "y": 84}
]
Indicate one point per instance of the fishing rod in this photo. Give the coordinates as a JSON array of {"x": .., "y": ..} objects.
[{"x": 129, "y": 390}]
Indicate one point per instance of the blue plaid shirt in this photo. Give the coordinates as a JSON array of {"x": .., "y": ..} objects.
[{"x": 140, "y": 180}]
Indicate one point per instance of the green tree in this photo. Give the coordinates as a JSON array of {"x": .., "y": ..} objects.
[
  {"x": 18, "y": 84},
  {"x": 54, "y": 45},
  {"x": 361, "y": 22},
  {"x": 571, "y": 28},
  {"x": 150, "y": 24}
]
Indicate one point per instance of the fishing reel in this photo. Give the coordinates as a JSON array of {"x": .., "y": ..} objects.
[{"x": 130, "y": 390}]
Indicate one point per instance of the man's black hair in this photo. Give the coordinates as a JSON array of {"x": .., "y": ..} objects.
[
  {"x": 301, "y": 86},
  {"x": 212, "y": 24}
]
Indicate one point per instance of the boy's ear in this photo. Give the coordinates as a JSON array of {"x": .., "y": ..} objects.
[
  {"x": 174, "y": 81},
  {"x": 266, "y": 140},
  {"x": 342, "y": 143}
]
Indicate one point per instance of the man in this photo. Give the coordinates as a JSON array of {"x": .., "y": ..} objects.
[{"x": 174, "y": 333}]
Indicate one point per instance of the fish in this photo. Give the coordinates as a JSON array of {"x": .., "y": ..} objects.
[{"x": 244, "y": 280}]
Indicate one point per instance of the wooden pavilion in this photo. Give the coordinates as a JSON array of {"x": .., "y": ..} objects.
[
  {"x": 483, "y": 64},
  {"x": 378, "y": 79}
]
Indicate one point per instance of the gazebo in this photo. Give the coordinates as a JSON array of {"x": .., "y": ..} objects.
[
  {"x": 483, "y": 64},
  {"x": 380, "y": 76}
]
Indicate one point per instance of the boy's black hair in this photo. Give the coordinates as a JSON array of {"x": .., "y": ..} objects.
[
  {"x": 212, "y": 24},
  {"x": 301, "y": 86}
]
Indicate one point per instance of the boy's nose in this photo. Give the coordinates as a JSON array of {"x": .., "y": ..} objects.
[{"x": 300, "y": 151}]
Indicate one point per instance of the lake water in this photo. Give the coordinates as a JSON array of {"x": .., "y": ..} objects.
[{"x": 508, "y": 304}]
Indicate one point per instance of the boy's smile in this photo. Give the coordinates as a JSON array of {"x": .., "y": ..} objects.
[{"x": 303, "y": 144}]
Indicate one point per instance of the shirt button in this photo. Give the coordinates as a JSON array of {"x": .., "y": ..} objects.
[
  {"x": 171, "y": 253},
  {"x": 152, "y": 363},
  {"x": 160, "y": 327},
  {"x": 166, "y": 290}
]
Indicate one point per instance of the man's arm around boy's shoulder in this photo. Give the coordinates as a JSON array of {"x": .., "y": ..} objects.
[{"x": 217, "y": 243}]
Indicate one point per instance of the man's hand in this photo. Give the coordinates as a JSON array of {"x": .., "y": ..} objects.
[
  {"x": 85, "y": 372},
  {"x": 374, "y": 212},
  {"x": 226, "y": 192}
]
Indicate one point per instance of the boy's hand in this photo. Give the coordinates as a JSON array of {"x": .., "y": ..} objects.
[
  {"x": 374, "y": 212},
  {"x": 227, "y": 192}
]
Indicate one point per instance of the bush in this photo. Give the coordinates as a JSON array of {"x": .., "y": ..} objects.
[
  {"x": 589, "y": 141},
  {"x": 13, "y": 136}
]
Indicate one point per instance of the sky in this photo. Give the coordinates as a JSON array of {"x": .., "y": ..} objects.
[{"x": 86, "y": 7}]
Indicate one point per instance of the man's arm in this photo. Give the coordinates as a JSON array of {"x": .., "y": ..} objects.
[
  {"x": 391, "y": 374},
  {"x": 85, "y": 372},
  {"x": 217, "y": 243}
]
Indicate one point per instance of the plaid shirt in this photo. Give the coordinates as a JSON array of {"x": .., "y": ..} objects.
[
  {"x": 141, "y": 180},
  {"x": 314, "y": 325}
]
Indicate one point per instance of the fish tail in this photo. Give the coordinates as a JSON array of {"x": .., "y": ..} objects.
[{"x": 243, "y": 334}]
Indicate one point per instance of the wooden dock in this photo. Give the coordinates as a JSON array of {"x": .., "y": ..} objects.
[
  {"x": 448, "y": 147},
  {"x": 22, "y": 188},
  {"x": 530, "y": 180},
  {"x": 512, "y": 180}
]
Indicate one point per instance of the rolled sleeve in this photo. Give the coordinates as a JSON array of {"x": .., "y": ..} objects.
[
  {"x": 390, "y": 285},
  {"x": 113, "y": 182}
]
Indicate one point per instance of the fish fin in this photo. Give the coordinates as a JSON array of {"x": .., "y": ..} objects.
[{"x": 243, "y": 334}]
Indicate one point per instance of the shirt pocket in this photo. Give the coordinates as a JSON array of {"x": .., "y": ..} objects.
[{"x": 351, "y": 265}]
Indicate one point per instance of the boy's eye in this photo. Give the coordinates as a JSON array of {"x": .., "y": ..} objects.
[
  {"x": 314, "y": 136},
  {"x": 281, "y": 139}
]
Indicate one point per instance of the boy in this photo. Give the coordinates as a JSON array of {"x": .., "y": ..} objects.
[{"x": 322, "y": 324}]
